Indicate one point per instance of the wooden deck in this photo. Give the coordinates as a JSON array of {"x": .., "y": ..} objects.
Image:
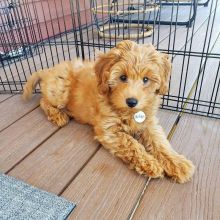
[{"x": 69, "y": 163}]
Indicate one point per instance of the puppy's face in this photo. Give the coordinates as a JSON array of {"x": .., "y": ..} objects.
[{"x": 131, "y": 75}]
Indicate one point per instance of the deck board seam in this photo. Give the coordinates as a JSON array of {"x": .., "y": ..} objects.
[
  {"x": 31, "y": 110},
  {"x": 11, "y": 95},
  {"x": 79, "y": 171},
  {"x": 34, "y": 149}
]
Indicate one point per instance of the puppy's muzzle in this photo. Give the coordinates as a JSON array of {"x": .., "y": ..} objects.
[{"x": 131, "y": 102}]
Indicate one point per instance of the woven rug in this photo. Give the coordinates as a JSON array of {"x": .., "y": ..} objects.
[{"x": 19, "y": 200}]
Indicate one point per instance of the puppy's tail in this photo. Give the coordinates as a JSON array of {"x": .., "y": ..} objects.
[{"x": 31, "y": 84}]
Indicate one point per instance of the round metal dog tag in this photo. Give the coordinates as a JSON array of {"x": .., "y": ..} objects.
[{"x": 139, "y": 117}]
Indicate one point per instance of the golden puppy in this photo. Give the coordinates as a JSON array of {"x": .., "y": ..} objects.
[{"x": 118, "y": 95}]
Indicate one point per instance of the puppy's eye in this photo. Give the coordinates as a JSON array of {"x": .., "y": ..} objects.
[
  {"x": 123, "y": 78},
  {"x": 145, "y": 80}
]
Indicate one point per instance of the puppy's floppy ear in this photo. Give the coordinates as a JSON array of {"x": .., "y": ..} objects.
[
  {"x": 106, "y": 61},
  {"x": 165, "y": 73},
  {"x": 102, "y": 69}
]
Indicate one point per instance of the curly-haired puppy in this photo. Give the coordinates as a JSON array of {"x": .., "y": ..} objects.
[{"x": 119, "y": 96}]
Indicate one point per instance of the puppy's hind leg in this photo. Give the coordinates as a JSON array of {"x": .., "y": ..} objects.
[{"x": 54, "y": 114}]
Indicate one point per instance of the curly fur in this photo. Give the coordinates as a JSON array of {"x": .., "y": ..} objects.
[{"x": 93, "y": 93}]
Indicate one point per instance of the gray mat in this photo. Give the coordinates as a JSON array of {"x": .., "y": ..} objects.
[{"x": 19, "y": 200}]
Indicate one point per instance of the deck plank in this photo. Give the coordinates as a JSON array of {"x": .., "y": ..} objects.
[
  {"x": 106, "y": 187},
  {"x": 109, "y": 187},
  {"x": 197, "y": 138},
  {"x": 3, "y": 97},
  {"x": 52, "y": 165},
  {"x": 23, "y": 137},
  {"x": 14, "y": 108}
]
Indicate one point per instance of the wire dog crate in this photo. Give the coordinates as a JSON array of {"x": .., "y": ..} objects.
[{"x": 37, "y": 34}]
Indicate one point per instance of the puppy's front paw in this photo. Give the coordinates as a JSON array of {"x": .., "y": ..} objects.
[
  {"x": 152, "y": 169},
  {"x": 180, "y": 169}
]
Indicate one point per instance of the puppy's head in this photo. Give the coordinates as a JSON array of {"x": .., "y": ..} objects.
[{"x": 132, "y": 75}]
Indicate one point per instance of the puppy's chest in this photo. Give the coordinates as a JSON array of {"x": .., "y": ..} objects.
[{"x": 133, "y": 128}]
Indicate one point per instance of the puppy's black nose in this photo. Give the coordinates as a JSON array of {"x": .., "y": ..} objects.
[{"x": 131, "y": 102}]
